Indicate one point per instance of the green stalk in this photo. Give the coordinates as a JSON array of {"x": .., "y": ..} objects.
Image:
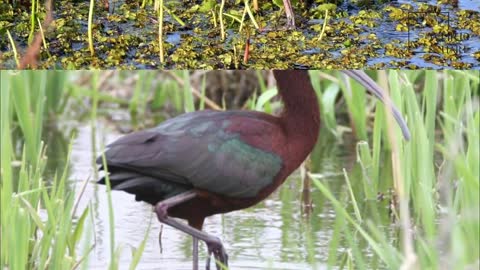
[
  {"x": 175, "y": 17},
  {"x": 354, "y": 95},
  {"x": 90, "y": 26},
  {"x": 411, "y": 259},
  {"x": 160, "y": 31},
  {"x": 324, "y": 25},
  {"x": 93, "y": 118},
  {"x": 220, "y": 18},
  {"x": 14, "y": 48},
  {"x": 32, "y": 22},
  {"x": 241, "y": 21},
  {"x": 45, "y": 44},
  {"x": 250, "y": 14},
  {"x": 214, "y": 18},
  {"x": 203, "y": 91},
  {"x": 188, "y": 105}
]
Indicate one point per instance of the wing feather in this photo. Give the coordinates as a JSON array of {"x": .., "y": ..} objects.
[{"x": 197, "y": 150}]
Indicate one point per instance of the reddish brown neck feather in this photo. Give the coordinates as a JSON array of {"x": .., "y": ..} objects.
[
  {"x": 300, "y": 120},
  {"x": 301, "y": 115}
]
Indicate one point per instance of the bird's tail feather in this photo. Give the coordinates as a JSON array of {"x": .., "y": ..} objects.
[{"x": 145, "y": 188}]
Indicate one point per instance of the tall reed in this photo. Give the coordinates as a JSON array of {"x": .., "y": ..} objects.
[{"x": 440, "y": 178}]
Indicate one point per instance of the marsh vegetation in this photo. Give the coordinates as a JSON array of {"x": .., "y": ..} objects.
[{"x": 341, "y": 210}]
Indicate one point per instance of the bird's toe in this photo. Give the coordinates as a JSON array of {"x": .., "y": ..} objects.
[{"x": 219, "y": 253}]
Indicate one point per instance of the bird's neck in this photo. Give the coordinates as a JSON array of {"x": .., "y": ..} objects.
[{"x": 301, "y": 115}]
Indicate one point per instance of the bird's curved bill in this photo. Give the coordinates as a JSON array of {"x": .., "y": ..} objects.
[{"x": 375, "y": 89}]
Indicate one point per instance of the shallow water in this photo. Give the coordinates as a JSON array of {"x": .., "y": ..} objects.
[
  {"x": 134, "y": 45},
  {"x": 462, "y": 4},
  {"x": 276, "y": 234}
]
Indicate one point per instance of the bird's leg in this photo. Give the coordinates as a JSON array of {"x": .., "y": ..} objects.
[
  {"x": 213, "y": 243},
  {"x": 180, "y": 198},
  {"x": 289, "y": 13},
  {"x": 195, "y": 253}
]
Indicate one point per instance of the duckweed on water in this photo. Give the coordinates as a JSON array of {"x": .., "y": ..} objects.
[
  {"x": 372, "y": 37},
  {"x": 477, "y": 55}
]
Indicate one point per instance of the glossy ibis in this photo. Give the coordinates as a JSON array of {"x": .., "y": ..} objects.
[{"x": 208, "y": 162}]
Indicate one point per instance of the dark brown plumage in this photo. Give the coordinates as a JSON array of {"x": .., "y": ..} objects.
[{"x": 207, "y": 162}]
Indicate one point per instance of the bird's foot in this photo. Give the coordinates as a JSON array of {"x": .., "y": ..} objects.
[{"x": 221, "y": 257}]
